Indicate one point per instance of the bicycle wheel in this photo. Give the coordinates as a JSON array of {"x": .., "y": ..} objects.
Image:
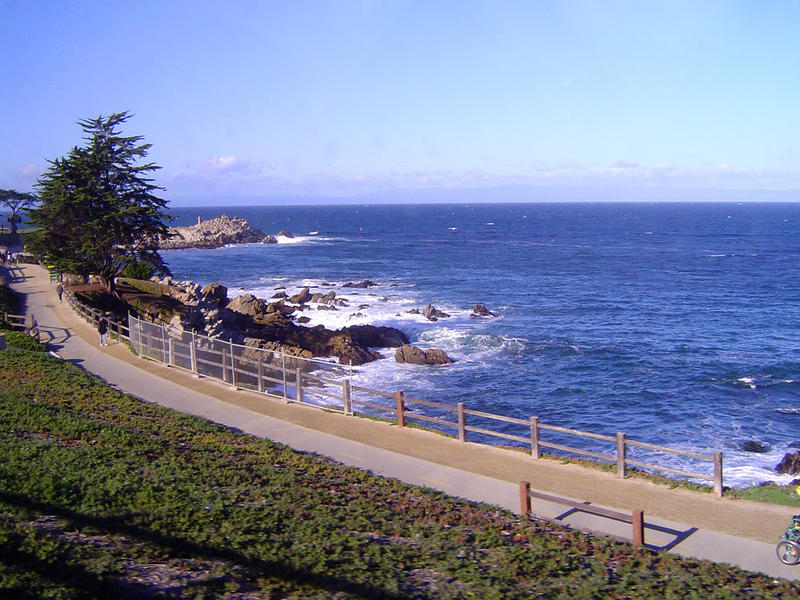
[{"x": 788, "y": 552}]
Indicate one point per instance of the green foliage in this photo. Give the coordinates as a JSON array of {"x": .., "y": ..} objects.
[
  {"x": 102, "y": 495},
  {"x": 138, "y": 270},
  {"x": 20, "y": 339},
  {"x": 785, "y": 495},
  {"x": 99, "y": 212}
]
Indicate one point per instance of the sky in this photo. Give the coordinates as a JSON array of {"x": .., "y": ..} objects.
[{"x": 297, "y": 99}]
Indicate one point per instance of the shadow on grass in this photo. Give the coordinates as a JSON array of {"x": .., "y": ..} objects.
[{"x": 255, "y": 567}]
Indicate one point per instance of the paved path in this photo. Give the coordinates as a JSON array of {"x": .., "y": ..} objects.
[{"x": 687, "y": 523}]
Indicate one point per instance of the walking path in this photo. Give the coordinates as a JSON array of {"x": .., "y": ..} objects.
[{"x": 688, "y": 523}]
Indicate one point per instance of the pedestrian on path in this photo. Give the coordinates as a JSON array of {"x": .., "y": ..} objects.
[
  {"x": 102, "y": 329},
  {"x": 60, "y": 291}
]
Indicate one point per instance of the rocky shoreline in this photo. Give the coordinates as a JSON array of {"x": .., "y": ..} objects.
[{"x": 273, "y": 324}]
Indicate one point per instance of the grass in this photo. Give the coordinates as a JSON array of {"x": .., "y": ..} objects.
[{"x": 103, "y": 496}]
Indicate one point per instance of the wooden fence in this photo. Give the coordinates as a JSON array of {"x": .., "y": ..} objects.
[
  {"x": 28, "y": 324},
  {"x": 635, "y": 518},
  {"x": 328, "y": 385}
]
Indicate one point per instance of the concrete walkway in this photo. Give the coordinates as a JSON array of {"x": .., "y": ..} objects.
[{"x": 688, "y": 523}]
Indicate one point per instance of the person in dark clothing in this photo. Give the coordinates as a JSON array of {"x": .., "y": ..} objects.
[{"x": 102, "y": 329}]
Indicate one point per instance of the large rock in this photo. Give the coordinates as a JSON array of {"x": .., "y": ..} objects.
[
  {"x": 216, "y": 293},
  {"x": 480, "y": 310},
  {"x": 789, "y": 465},
  {"x": 433, "y": 314},
  {"x": 413, "y": 355},
  {"x": 247, "y": 304},
  {"x": 373, "y": 336},
  {"x": 213, "y": 233},
  {"x": 301, "y": 297}
]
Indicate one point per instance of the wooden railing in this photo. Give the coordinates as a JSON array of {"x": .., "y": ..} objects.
[
  {"x": 635, "y": 518},
  {"x": 28, "y": 323},
  {"x": 301, "y": 380}
]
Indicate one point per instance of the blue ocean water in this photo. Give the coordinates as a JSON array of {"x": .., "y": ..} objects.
[{"x": 678, "y": 324}]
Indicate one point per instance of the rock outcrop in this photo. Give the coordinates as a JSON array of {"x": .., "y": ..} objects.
[
  {"x": 433, "y": 314},
  {"x": 213, "y": 233},
  {"x": 413, "y": 355},
  {"x": 479, "y": 310},
  {"x": 789, "y": 465}
]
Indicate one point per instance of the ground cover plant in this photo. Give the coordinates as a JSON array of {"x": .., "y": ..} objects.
[{"x": 103, "y": 496}]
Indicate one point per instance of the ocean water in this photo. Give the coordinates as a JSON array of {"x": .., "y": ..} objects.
[{"x": 677, "y": 324}]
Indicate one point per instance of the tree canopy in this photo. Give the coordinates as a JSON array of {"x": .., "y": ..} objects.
[
  {"x": 98, "y": 208},
  {"x": 16, "y": 202}
]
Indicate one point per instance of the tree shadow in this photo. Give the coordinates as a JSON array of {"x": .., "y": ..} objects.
[{"x": 255, "y": 567}]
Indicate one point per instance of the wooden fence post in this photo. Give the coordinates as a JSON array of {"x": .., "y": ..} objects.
[
  {"x": 718, "y": 474},
  {"x": 637, "y": 520},
  {"x": 536, "y": 450},
  {"x": 401, "y": 409},
  {"x": 621, "y": 455},
  {"x": 462, "y": 422},
  {"x": 524, "y": 498},
  {"x": 298, "y": 378},
  {"x": 348, "y": 403}
]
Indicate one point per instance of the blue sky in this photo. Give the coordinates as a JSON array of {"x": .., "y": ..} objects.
[{"x": 302, "y": 99}]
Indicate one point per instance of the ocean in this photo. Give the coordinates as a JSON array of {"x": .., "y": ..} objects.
[{"x": 677, "y": 324}]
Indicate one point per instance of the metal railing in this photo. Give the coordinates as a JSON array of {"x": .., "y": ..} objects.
[{"x": 328, "y": 385}]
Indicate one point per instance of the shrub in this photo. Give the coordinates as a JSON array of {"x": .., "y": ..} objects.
[
  {"x": 138, "y": 270},
  {"x": 19, "y": 339}
]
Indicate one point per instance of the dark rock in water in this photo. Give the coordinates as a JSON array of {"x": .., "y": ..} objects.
[
  {"x": 413, "y": 311},
  {"x": 303, "y": 320},
  {"x": 286, "y": 234},
  {"x": 280, "y": 295},
  {"x": 270, "y": 239},
  {"x": 302, "y": 297},
  {"x": 365, "y": 283},
  {"x": 372, "y": 336},
  {"x": 789, "y": 465},
  {"x": 433, "y": 314},
  {"x": 481, "y": 311},
  {"x": 753, "y": 446},
  {"x": 415, "y": 356}
]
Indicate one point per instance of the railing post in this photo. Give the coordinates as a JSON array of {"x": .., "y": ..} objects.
[
  {"x": 298, "y": 378},
  {"x": 621, "y": 455},
  {"x": 193, "y": 355},
  {"x": 536, "y": 450},
  {"x": 718, "y": 474},
  {"x": 401, "y": 409},
  {"x": 524, "y": 498},
  {"x": 163, "y": 339},
  {"x": 260, "y": 374},
  {"x": 223, "y": 362},
  {"x": 170, "y": 355},
  {"x": 637, "y": 520},
  {"x": 462, "y": 422},
  {"x": 234, "y": 377},
  {"x": 348, "y": 403}
]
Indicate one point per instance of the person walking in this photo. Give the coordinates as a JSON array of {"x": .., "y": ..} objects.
[
  {"x": 59, "y": 291},
  {"x": 102, "y": 329}
]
